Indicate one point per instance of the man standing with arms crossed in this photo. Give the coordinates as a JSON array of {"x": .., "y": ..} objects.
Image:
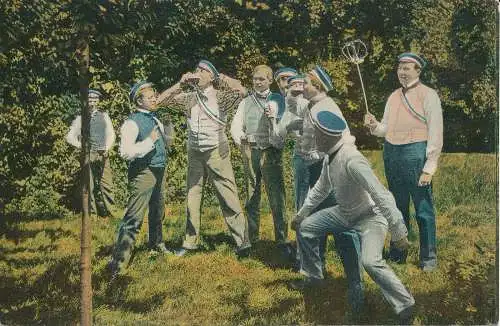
[
  {"x": 102, "y": 138},
  {"x": 413, "y": 129}
]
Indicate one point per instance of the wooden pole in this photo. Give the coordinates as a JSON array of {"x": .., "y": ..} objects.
[{"x": 83, "y": 57}]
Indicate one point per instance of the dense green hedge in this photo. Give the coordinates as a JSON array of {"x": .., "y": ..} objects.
[{"x": 160, "y": 40}]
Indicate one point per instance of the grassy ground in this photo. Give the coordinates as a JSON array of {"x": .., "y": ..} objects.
[{"x": 39, "y": 269}]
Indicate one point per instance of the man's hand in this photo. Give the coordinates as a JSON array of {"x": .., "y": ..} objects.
[
  {"x": 295, "y": 224},
  {"x": 155, "y": 134},
  {"x": 187, "y": 77},
  {"x": 425, "y": 179},
  {"x": 271, "y": 110},
  {"x": 370, "y": 121},
  {"x": 402, "y": 244}
]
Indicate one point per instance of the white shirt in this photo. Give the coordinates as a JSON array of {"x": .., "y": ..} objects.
[
  {"x": 75, "y": 132},
  {"x": 129, "y": 148},
  {"x": 358, "y": 192},
  {"x": 434, "y": 115}
]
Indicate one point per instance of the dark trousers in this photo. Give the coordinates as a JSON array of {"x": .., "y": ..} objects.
[
  {"x": 403, "y": 167},
  {"x": 147, "y": 192},
  {"x": 101, "y": 184}
]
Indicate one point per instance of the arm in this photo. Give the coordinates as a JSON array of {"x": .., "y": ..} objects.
[
  {"x": 175, "y": 96},
  {"x": 379, "y": 129},
  {"x": 74, "y": 135},
  {"x": 360, "y": 171},
  {"x": 434, "y": 117},
  {"x": 318, "y": 193},
  {"x": 237, "y": 132},
  {"x": 110, "y": 132},
  {"x": 129, "y": 148},
  {"x": 229, "y": 93},
  {"x": 291, "y": 120}
]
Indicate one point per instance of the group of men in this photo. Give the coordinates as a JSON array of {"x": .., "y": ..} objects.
[{"x": 336, "y": 191}]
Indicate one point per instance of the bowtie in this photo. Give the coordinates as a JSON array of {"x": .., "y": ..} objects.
[
  {"x": 262, "y": 96},
  {"x": 151, "y": 114}
]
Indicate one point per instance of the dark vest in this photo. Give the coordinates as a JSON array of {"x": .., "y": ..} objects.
[
  {"x": 158, "y": 156},
  {"x": 280, "y": 100},
  {"x": 97, "y": 131}
]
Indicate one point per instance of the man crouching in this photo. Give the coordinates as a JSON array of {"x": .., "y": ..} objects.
[{"x": 364, "y": 205}]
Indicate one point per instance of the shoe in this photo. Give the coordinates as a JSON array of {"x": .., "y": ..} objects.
[
  {"x": 429, "y": 268},
  {"x": 309, "y": 283},
  {"x": 162, "y": 249},
  {"x": 406, "y": 316},
  {"x": 243, "y": 253},
  {"x": 181, "y": 252}
]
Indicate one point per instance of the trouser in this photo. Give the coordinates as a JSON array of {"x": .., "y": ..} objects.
[
  {"x": 347, "y": 240},
  {"x": 214, "y": 165},
  {"x": 372, "y": 230},
  {"x": 403, "y": 167},
  {"x": 101, "y": 184},
  {"x": 347, "y": 243},
  {"x": 264, "y": 165},
  {"x": 301, "y": 180},
  {"x": 147, "y": 191}
]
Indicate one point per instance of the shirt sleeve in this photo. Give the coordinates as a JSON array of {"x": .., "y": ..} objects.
[
  {"x": 318, "y": 193},
  {"x": 237, "y": 132},
  {"x": 281, "y": 128},
  {"x": 361, "y": 172},
  {"x": 75, "y": 133},
  {"x": 129, "y": 148},
  {"x": 110, "y": 132},
  {"x": 227, "y": 98},
  {"x": 178, "y": 101},
  {"x": 434, "y": 116},
  {"x": 381, "y": 129}
]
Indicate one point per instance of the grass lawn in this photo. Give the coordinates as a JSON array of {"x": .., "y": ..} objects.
[{"x": 39, "y": 268}]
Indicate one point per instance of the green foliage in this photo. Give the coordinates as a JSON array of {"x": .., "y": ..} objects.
[{"x": 160, "y": 40}]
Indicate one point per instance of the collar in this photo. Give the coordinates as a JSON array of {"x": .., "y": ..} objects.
[
  {"x": 411, "y": 85},
  {"x": 151, "y": 113},
  {"x": 318, "y": 98},
  {"x": 263, "y": 94},
  {"x": 346, "y": 139}
]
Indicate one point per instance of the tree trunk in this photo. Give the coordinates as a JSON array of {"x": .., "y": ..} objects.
[{"x": 85, "y": 239}]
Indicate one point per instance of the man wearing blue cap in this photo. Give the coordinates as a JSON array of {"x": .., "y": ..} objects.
[
  {"x": 413, "y": 130},
  {"x": 207, "y": 96},
  {"x": 261, "y": 149},
  {"x": 363, "y": 204},
  {"x": 102, "y": 138},
  {"x": 315, "y": 85},
  {"x": 143, "y": 145}
]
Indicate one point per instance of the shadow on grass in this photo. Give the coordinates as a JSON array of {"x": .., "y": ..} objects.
[
  {"x": 52, "y": 299},
  {"x": 10, "y": 228},
  {"x": 271, "y": 255}
]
